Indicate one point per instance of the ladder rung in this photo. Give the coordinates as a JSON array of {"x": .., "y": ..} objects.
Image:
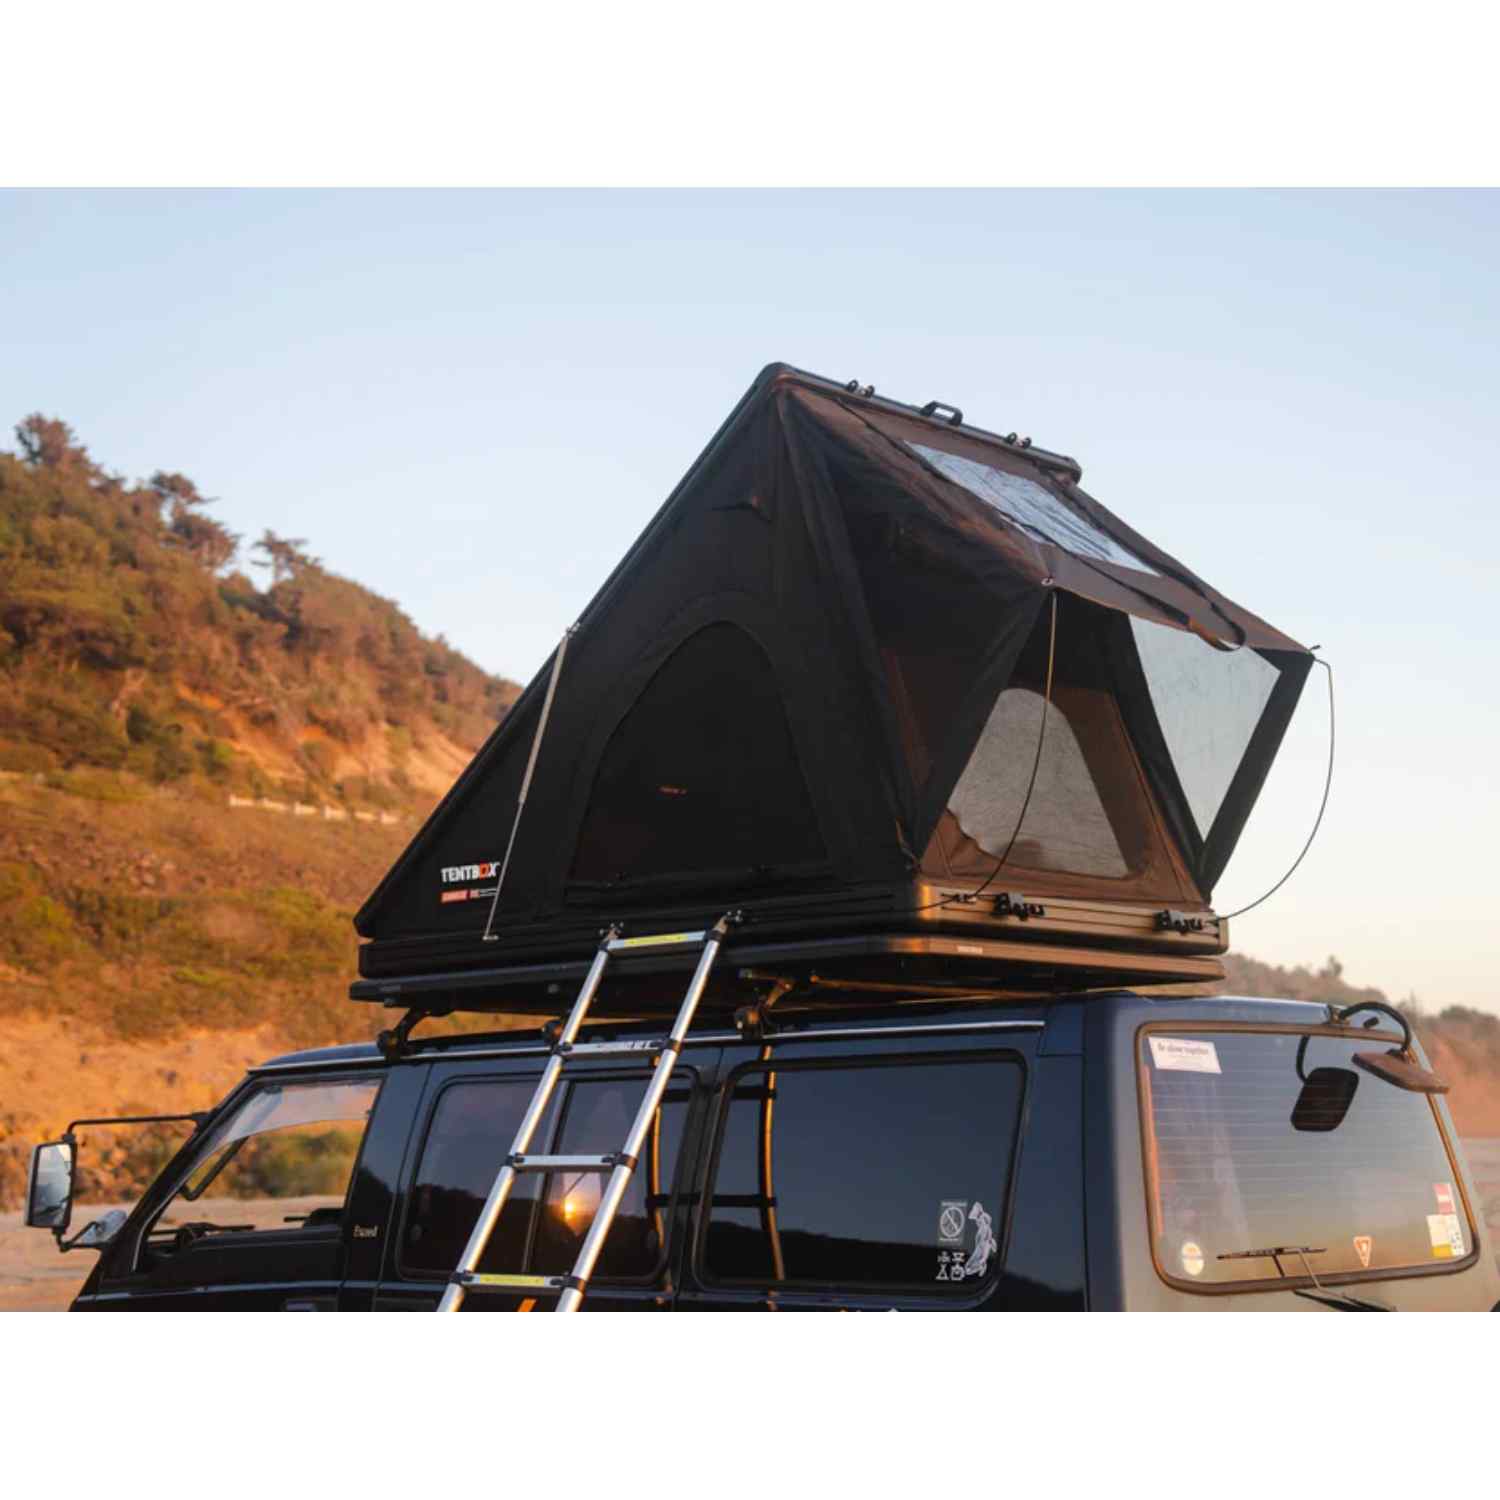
[
  {"x": 505, "y": 1282},
  {"x": 571, "y": 1288},
  {"x": 605, "y": 1163},
  {"x": 656, "y": 940},
  {"x": 636, "y": 1047}
]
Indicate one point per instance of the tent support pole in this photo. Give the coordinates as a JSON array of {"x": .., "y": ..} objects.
[{"x": 536, "y": 745}]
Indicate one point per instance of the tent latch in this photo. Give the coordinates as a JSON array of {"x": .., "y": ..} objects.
[
  {"x": 1177, "y": 921},
  {"x": 1014, "y": 904}
]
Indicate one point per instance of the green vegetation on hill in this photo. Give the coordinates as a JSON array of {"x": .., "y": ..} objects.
[
  {"x": 128, "y": 642},
  {"x": 160, "y": 911},
  {"x": 144, "y": 679}
]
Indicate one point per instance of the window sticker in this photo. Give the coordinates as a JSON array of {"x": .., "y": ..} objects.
[
  {"x": 1447, "y": 1236},
  {"x": 1192, "y": 1257},
  {"x": 954, "y": 1219},
  {"x": 951, "y": 1220},
  {"x": 950, "y": 1265},
  {"x": 1179, "y": 1055},
  {"x": 1443, "y": 1191},
  {"x": 1364, "y": 1247},
  {"x": 984, "y": 1241}
]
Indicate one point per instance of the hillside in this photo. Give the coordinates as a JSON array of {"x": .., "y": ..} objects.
[
  {"x": 131, "y": 641},
  {"x": 200, "y": 780}
]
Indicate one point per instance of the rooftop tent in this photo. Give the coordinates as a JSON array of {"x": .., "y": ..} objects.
[{"x": 858, "y": 641}]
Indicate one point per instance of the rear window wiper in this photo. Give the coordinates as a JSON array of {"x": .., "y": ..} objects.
[
  {"x": 1344, "y": 1301},
  {"x": 1328, "y": 1296}
]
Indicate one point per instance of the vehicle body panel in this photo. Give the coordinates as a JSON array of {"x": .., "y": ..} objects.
[{"x": 1075, "y": 1234}]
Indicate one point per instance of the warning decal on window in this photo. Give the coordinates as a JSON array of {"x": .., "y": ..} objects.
[
  {"x": 1175, "y": 1053},
  {"x": 951, "y": 1218},
  {"x": 964, "y": 1261}
]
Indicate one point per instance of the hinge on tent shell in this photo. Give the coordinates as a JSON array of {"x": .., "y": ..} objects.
[
  {"x": 1014, "y": 904},
  {"x": 1177, "y": 921}
]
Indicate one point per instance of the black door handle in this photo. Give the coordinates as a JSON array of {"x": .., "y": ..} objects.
[{"x": 310, "y": 1304}]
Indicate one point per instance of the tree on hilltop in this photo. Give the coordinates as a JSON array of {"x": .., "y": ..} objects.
[
  {"x": 210, "y": 543},
  {"x": 284, "y": 556},
  {"x": 177, "y": 489},
  {"x": 49, "y": 443}
]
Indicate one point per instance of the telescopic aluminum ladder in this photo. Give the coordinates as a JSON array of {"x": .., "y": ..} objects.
[{"x": 619, "y": 1164}]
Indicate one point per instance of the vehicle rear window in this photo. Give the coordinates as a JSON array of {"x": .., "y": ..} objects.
[
  {"x": 879, "y": 1175},
  {"x": 1243, "y": 1153},
  {"x": 546, "y": 1217}
]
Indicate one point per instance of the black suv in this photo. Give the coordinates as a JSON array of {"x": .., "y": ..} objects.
[{"x": 1099, "y": 1151}]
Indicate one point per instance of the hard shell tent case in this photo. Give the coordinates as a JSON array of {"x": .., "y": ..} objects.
[{"x": 813, "y": 688}]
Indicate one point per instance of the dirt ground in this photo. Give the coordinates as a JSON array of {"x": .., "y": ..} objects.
[{"x": 34, "y": 1277}]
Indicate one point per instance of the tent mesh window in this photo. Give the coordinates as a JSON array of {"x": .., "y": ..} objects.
[
  {"x": 1208, "y": 704},
  {"x": 1067, "y": 825},
  {"x": 701, "y": 774},
  {"x": 1092, "y": 813}
]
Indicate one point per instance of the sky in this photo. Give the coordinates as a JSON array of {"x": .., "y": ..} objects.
[{"x": 473, "y": 401}]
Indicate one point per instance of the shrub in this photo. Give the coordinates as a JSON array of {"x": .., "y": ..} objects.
[
  {"x": 172, "y": 760},
  {"x": 96, "y": 785},
  {"x": 215, "y": 758},
  {"x": 140, "y": 727}
]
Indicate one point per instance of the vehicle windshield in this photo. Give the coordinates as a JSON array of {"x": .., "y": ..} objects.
[{"x": 1249, "y": 1146}]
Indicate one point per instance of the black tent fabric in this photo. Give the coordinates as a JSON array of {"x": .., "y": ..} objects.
[{"x": 823, "y": 673}]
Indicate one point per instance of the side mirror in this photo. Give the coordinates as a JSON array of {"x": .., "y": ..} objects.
[
  {"x": 1325, "y": 1098},
  {"x": 49, "y": 1190}
]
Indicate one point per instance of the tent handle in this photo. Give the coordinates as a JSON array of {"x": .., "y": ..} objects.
[{"x": 934, "y": 407}]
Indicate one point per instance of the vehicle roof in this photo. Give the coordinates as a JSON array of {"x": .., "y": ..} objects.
[{"x": 1225, "y": 1007}]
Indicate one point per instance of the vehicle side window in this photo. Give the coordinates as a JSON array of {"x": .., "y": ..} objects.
[
  {"x": 472, "y": 1129},
  {"x": 878, "y": 1174},
  {"x": 283, "y": 1160},
  {"x": 546, "y": 1217},
  {"x": 598, "y": 1117}
]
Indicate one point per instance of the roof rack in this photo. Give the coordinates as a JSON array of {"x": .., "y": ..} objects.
[{"x": 913, "y": 964}]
